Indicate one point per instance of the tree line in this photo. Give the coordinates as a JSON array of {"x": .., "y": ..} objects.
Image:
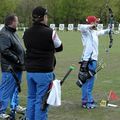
[{"x": 60, "y": 11}]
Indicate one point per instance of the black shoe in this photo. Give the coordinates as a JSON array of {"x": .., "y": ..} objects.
[{"x": 12, "y": 115}]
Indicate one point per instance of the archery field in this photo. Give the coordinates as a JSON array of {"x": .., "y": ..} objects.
[{"x": 107, "y": 79}]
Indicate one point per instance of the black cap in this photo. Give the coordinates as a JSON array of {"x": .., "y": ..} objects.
[{"x": 39, "y": 12}]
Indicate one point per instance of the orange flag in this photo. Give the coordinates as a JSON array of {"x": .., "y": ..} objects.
[{"x": 112, "y": 96}]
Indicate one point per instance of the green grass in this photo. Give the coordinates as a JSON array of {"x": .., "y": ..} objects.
[{"x": 106, "y": 80}]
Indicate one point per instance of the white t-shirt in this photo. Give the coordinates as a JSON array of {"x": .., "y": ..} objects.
[{"x": 90, "y": 41}]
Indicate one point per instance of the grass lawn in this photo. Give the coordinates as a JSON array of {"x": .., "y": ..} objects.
[{"x": 106, "y": 80}]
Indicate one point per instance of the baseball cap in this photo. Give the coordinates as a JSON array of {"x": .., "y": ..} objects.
[
  {"x": 39, "y": 12},
  {"x": 91, "y": 19}
]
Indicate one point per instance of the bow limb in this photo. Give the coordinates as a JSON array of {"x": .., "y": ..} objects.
[{"x": 110, "y": 23}]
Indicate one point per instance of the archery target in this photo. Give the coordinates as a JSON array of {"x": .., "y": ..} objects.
[
  {"x": 52, "y": 26},
  {"x": 70, "y": 27},
  {"x": 61, "y": 27}
]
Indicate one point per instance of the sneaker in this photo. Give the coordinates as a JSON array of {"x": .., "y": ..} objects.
[
  {"x": 91, "y": 105},
  {"x": 4, "y": 116},
  {"x": 20, "y": 109},
  {"x": 84, "y": 105}
]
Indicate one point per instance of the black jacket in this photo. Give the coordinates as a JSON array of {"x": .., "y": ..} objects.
[
  {"x": 12, "y": 52},
  {"x": 39, "y": 49}
]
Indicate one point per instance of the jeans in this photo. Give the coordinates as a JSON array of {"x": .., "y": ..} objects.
[
  {"x": 8, "y": 91},
  {"x": 37, "y": 86},
  {"x": 87, "y": 88}
]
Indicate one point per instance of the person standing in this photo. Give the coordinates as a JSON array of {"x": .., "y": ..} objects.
[
  {"x": 41, "y": 44},
  {"x": 89, "y": 59},
  {"x": 12, "y": 54}
]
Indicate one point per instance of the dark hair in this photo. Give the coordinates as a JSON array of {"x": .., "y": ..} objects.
[
  {"x": 9, "y": 19},
  {"x": 38, "y": 14}
]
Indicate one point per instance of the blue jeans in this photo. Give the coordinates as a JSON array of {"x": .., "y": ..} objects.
[
  {"x": 87, "y": 88},
  {"x": 8, "y": 91},
  {"x": 37, "y": 86}
]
